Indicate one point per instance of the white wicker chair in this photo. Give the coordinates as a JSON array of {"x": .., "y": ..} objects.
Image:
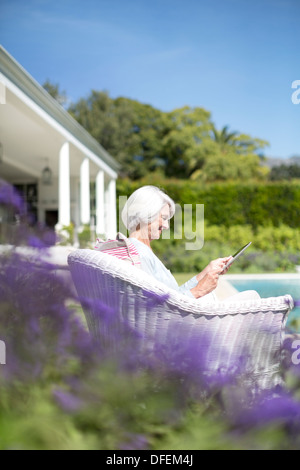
[{"x": 254, "y": 328}]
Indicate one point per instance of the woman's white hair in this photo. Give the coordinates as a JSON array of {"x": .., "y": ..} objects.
[{"x": 144, "y": 205}]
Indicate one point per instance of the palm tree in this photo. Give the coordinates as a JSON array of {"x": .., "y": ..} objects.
[
  {"x": 223, "y": 137},
  {"x": 242, "y": 144}
]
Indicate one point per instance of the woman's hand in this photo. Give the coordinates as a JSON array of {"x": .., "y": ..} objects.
[
  {"x": 207, "y": 284},
  {"x": 215, "y": 265},
  {"x": 226, "y": 261}
]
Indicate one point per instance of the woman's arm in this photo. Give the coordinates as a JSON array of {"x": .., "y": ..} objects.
[
  {"x": 206, "y": 285},
  {"x": 215, "y": 265},
  {"x": 208, "y": 278}
]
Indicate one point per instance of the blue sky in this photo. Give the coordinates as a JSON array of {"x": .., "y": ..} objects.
[{"x": 235, "y": 58}]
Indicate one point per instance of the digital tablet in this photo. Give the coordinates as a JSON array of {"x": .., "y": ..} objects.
[{"x": 235, "y": 256}]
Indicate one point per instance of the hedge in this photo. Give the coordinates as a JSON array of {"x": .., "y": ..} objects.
[{"x": 228, "y": 204}]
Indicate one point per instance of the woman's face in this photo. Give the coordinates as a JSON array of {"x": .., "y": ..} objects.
[{"x": 161, "y": 223}]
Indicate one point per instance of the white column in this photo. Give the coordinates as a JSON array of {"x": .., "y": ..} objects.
[
  {"x": 85, "y": 207},
  {"x": 100, "y": 214},
  {"x": 111, "y": 219},
  {"x": 64, "y": 203}
]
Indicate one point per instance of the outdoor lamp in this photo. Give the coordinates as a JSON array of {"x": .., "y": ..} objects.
[{"x": 47, "y": 175}]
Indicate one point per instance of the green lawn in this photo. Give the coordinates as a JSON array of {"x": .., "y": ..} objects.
[{"x": 181, "y": 278}]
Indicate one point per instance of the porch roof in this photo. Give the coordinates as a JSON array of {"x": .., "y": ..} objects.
[{"x": 33, "y": 126}]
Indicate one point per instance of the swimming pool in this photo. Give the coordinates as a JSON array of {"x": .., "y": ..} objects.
[{"x": 270, "y": 285}]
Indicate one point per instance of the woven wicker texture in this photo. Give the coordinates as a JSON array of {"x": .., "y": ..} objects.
[{"x": 252, "y": 330}]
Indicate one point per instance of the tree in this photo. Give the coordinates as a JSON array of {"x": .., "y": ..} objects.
[
  {"x": 130, "y": 131},
  {"x": 230, "y": 155},
  {"x": 54, "y": 91},
  {"x": 284, "y": 172},
  {"x": 223, "y": 137},
  {"x": 243, "y": 144},
  {"x": 183, "y": 143}
]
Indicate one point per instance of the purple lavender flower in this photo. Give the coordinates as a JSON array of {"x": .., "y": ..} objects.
[
  {"x": 36, "y": 242},
  {"x": 36, "y": 325},
  {"x": 270, "y": 408},
  {"x": 11, "y": 198},
  {"x": 68, "y": 402},
  {"x": 154, "y": 299},
  {"x": 135, "y": 442},
  {"x": 42, "y": 237}
]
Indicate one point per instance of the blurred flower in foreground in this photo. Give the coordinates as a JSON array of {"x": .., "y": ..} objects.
[
  {"x": 67, "y": 401},
  {"x": 10, "y": 198}
]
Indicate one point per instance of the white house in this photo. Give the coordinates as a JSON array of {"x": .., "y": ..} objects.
[{"x": 53, "y": 160}]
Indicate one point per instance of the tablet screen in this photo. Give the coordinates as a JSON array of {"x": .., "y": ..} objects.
[{"x": 236, "y": 255}]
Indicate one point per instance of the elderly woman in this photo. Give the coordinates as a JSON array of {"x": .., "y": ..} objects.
[{"x": 146, "y": 214}]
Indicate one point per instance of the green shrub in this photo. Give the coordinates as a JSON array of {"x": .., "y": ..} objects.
[
  {"x": 273, "y": 249},
  {"x": 85, "y": 237},
  {"x": 66, "y": 235},
  {"x": 232, "y": 203}
]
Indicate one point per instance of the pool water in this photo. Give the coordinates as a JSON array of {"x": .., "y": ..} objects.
[{"x": 271, "y": 288}]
